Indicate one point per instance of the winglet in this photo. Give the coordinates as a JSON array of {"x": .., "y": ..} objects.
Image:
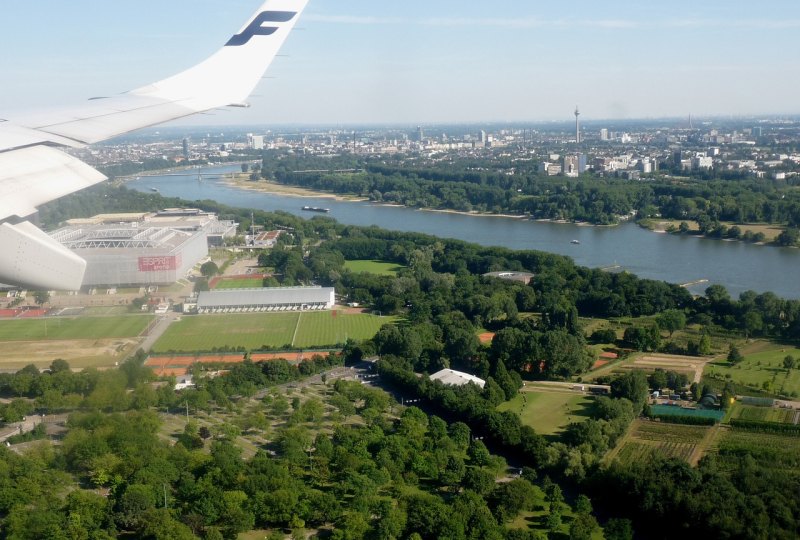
[{"x": 231, "y": 74}]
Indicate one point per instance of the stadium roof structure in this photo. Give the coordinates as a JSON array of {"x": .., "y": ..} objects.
[
  {"x": 122, "y": 236},
  {"x": 268, "y": 296},
  {"x": 452, "y": 377}
]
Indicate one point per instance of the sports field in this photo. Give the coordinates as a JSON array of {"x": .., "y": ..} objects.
[
  {"x": 61, "y": 328},
  {"x": 381, "y": 268},
  {"x": 549, "y": 411},
  {"x": 257, "y": 330}
]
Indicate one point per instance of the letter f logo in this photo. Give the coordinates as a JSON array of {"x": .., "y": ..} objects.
[{"x": 256, "y": 27}]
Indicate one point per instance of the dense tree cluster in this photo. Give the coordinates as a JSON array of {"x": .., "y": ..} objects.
[{"x": 468, "y": 186}]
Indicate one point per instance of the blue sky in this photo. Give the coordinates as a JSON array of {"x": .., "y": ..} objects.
[{"x": 424, "y": 61}]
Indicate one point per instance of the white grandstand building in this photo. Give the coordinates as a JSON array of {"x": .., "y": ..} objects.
[{"x": 269, "y": 299}]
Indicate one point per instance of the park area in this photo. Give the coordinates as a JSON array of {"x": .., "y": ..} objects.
[
  {"x": 549, "y": 410},
  {"x": 761, "y": 368},
  {"x": 380, "y": 268},
  {"x": 268, "y": 330}
]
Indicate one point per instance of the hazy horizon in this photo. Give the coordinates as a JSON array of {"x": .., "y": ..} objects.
[{"x": 355, "y": 62}]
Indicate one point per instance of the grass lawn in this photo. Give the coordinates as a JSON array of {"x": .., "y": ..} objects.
[
  {"x": 253, "y": 331},
  {"x": 763, "y": 362},
  {"x": 59, "y": 328},
  {"x": 374, "y": 267},
  {"x": 250, "y": 283},
  {"x": 319, "y": 328},
  {"x": 549, "y": 411}
]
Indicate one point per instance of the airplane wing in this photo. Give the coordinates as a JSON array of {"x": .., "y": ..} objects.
[{"x": 34, "y": 170}]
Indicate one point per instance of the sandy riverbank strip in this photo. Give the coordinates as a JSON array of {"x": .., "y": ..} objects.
[{"x": 290, "y": 191}]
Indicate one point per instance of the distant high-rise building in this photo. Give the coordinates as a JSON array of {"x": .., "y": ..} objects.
[
  {"x": 757, "y": 131},
  {"x": 577, "y": 125},
  {"x": 256, "y": 142},
  {"x": 482, "y": 136},
  {"x": 420, "y": 134},
  {"x": 186, "y": 148},
  {"x": 604, "y": 134}
]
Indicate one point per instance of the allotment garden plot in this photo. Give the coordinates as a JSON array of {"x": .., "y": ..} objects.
[
  {"x": 647, "y": 438},
  {"x": 268, "y": 330}
]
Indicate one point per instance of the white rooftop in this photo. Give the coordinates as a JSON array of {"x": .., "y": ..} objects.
[{"x": 452, "y": 377}]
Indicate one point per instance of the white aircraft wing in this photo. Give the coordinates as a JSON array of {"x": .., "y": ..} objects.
[{"x": 33, "y": 170}]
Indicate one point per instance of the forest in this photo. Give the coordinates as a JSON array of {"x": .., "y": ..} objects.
[{"x": 471, "y": 186}]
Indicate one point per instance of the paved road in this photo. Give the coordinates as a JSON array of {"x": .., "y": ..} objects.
[{"x": 157, "y": 330}]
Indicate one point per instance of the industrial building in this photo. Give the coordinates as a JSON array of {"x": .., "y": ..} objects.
[
  {"x": 143, "y": 249},
  {"x": 266, "y": 300}
]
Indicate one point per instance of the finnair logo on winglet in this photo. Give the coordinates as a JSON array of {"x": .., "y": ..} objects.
[{"x": 257, "y": 28}]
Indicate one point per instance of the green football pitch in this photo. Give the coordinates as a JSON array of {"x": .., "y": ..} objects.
[
  {"x": 122, "y": 326},
  {"x": 251, "y": 283},
  {"x": 381, "y": 268},
  {"x": 274, "y": 330}
]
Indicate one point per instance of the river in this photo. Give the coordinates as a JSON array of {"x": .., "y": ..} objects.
[{"x": 677, "y": 259}]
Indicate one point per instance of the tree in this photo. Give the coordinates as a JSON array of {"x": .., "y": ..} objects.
[
  {"x": 753, "y": 323},
  {"x": 789, "y": 362},
  {"x": 632, "y": 386},
  {"x": 582, "y": 527},
  {"x": 734, "y": 355},
  {"x": 553, "y": 521},
  {"x": 41, "y": 297},
  {"x": 618, "y": 529},
  {"x": 209, "y": 269},
  {"x": 672, "y": 320},
  {"x": 658, "y": 379},
  {"x": 704, "y": 347},
  {"x": 583, "y": 505}
]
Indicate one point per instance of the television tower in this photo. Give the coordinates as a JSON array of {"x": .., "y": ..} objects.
[{"x": 577, "y": 126}]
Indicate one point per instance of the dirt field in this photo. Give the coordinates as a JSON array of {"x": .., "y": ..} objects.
[
  {"x": 691, "y": 365},
  {"x": 79, "y": 353}
]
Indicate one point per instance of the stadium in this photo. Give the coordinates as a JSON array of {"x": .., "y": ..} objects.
[{"x": 142, "y": 249}]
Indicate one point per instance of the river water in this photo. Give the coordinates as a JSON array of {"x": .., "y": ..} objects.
[{"x": 677, "y": 259}]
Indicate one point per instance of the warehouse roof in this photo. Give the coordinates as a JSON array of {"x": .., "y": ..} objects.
[
  {"x": 452, "y": 377},
  {"x": 265, "y": 296}
]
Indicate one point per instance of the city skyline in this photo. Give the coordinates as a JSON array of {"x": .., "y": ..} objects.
[{"x": 416, "y": 63}]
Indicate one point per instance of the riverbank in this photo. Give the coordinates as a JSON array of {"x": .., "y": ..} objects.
[
  {"x": 242, "y": 181},
  {"x": 761, "y": 234}
]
